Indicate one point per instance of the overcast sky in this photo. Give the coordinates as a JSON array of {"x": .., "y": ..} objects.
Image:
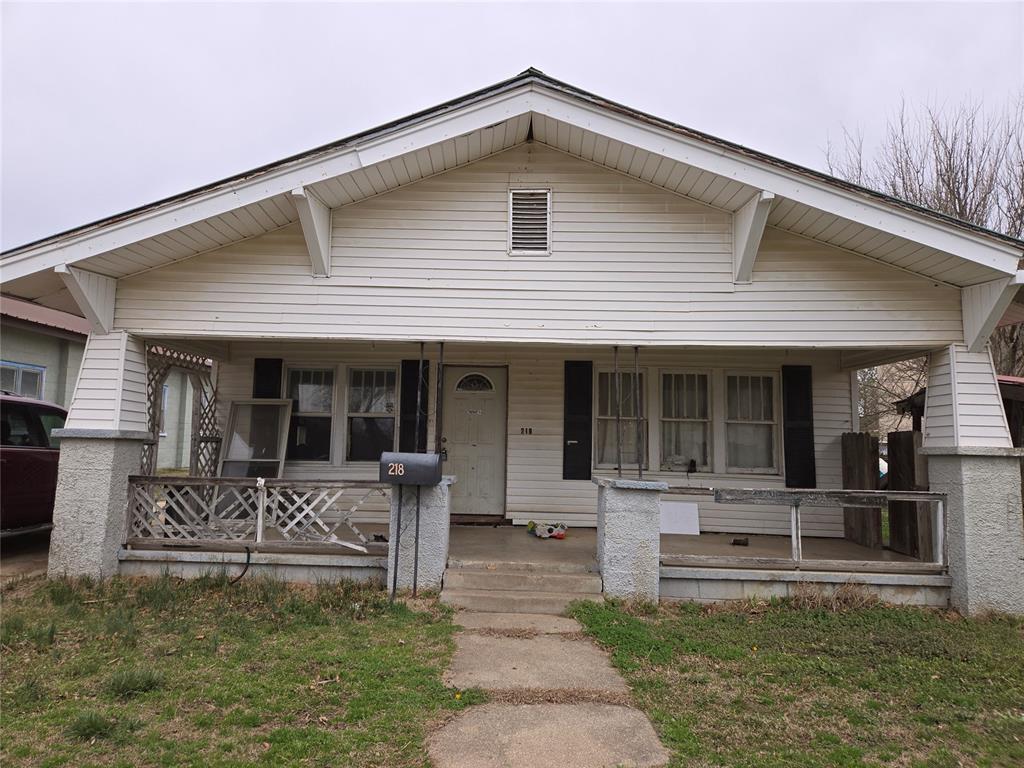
[{"x": 106, "y": 107}]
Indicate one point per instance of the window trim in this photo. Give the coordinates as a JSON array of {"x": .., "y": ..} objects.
[
  {"x": 18, "y": 368},
  {"x": 313, "y": 366},
  {"x": 707, "y": 468},
  {"x": 645, "y": 418},
  {"x": 775, "y": 423},
  {"x": 346, "y": 436},
  {"x": 521, "y": 253}
]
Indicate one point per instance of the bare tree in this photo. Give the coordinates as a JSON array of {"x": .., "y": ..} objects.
[{"x": 965, "y": 162}]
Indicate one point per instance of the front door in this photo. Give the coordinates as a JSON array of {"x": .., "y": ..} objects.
[{"x": 474, "y": 437}]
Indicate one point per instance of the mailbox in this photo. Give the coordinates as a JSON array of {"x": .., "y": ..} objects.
[{"x": 410, "y": 468}]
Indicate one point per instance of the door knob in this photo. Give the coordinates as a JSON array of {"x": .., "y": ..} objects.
[{"x": 572, "y": 442}]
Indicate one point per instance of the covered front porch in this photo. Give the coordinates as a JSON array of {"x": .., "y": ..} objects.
[
  {"x": 523, "y": 428},
  {"x": 712, "y": 430}
]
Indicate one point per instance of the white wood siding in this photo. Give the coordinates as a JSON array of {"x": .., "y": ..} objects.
[
  {"x": 963, "y": 406},
  {"x": 630, "y": 263},
  {"x": 111, "y": 388},
  {"x": 535, "y": 488}
]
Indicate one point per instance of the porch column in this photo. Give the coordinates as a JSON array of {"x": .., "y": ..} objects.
[
  {"x": 101, "y": 444},
  {"x": 972, "y": 459},
  {"x": 629, "y": 537},
  {"x": 435, "y": 523}
]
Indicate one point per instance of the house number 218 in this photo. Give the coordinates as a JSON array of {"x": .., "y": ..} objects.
[{"x": 395, "y": 468}]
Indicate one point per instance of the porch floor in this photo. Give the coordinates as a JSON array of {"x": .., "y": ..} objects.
[
  {"x": 578, "y": 551},
  {"x": 514, "y": 544},
  {"x": 760, "y": 545}
]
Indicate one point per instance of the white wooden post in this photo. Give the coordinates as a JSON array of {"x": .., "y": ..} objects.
[{"x": 795, "y": 535}]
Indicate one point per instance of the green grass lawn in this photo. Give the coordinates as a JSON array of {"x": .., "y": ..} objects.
[
  {"x": 776, "y": 685},
  {"x": 203, "y": 673}
]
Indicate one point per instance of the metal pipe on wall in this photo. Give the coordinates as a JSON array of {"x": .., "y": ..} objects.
[
  {"x": 439, "y": 397},
  {"x": 617, "y": 394},
  {"x": 639, "y": 417},
  {"x": 416, "y": 449}
]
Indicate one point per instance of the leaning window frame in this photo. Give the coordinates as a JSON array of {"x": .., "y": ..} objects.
[
  {"x": 40, "y": 369},
  {"x": 645, "y": 397},
  {"x": 314, "y": 366},
  {"x": 710, "y": 420},
  {"x": 775, "y": 376},
  {"x": 346, "y": 434},
  {"x": 526, "y": 254}
]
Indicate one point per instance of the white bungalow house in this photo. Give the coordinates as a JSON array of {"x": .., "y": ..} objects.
[{"x": 626, "y": 325}]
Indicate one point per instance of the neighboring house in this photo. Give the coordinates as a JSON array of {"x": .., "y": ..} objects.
[
  {"x": 40, "y": 355},
  {"x": 40, "y": 350},
  {"x": 615, "y": 295}
]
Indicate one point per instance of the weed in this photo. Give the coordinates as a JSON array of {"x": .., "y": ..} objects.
[
  {"x": 128, "y": 682},
  {"x": 120, "y": 623},
  {"x": 158, "y": 593},
  {"x": 43, "y": 635},
  {"x": 213, "y": 580},
  {"x": 269, "y": 591},
  {"x": 30, "y": 692},
  {"x": 65, "y": 590},
  {"x": 845, "y": 597},
  {"x": 89, "y": 725},
  {"x": 10, "y": 628}
]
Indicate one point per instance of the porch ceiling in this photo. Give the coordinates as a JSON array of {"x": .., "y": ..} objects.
[{"x": 530, "y": 106}]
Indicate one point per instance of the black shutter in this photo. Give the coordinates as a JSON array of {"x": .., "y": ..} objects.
[
  {"x": 266, "y": 377},
  {"x": 578, "y": 422},
  {"x": 798, "y": 426},
  {"x": 407, "y": 406}
]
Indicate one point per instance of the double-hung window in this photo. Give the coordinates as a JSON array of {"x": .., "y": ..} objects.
[
  {"x": 685, "y": 422},
  {"x": 612, "y": 420},
  {"x": 22, "y": 379},
  {"x": 311, "y": 391},
  {"x": 372, "y": 398},
  {"x": 750, "y": 423}
]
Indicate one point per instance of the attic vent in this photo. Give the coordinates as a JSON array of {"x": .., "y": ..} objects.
[{"x": 529, "y": 229}]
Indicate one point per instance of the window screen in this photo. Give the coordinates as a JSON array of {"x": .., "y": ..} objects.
[
  {"x": 685, "y": 421},
  {"x": 608, "y": 389},
  {"x": 750, "y": 422},
  {"x": 372, "y": 394},
  {"x": 311, "y": 391}
]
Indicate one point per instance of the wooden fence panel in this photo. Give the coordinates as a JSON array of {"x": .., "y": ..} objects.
[
  {"x": 910, "y": 522},
  {"x": 862, "y": 525}
]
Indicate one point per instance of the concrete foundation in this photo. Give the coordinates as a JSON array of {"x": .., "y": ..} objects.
[
  {"x": 89, "y": 509},
  {"x": 434, "y": 526},
  {"x": 291, "y": 567},
  {"x": 984, "y": 527},
  {"x": 628, "y": 537},
  {"x": 716, "y": 585}
]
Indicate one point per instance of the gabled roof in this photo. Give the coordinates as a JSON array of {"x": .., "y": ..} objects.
[{"x": 530, "y": 106}]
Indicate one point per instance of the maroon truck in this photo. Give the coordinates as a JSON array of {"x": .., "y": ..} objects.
[{"x": 28, "y": 463}]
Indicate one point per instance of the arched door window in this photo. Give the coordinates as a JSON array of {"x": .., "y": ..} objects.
[{"x": 474, "y": 382}]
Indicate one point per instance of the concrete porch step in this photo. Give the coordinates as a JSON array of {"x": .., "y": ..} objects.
[
  {"x": 503, "y": 565},
  {"x": 522, "y": 581},
  {"x": 509, "y": 601}
]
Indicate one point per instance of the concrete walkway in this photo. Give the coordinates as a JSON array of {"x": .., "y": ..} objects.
[{"x": 555, "y": 700}]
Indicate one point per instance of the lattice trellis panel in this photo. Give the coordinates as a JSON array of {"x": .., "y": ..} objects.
[
  {"x": 315, "y": 514},
  {"x": 248, "y": 510},
  {"x": 205, "y": 445},
  {"x": 191, "y": 513}
]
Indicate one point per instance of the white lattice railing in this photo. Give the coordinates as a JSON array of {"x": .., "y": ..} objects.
[{"x": 230, "y": 513}]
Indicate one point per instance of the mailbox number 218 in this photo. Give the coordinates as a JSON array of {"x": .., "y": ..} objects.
[{"x": 396, "y": 468}]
